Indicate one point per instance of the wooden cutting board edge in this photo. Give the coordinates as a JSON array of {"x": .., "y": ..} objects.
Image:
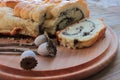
[{"x": 94, "y": 68}]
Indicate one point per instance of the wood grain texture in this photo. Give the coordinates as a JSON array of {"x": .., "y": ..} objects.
[{"x": 68, "y": 64}]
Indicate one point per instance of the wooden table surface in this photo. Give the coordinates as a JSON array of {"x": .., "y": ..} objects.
[{"x": 111, "y": 17}]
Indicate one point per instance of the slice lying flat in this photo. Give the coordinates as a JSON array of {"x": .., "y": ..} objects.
[{"x": 82, "y": 34}]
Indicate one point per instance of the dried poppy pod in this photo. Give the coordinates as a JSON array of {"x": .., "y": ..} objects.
[
  {"x": 28, "y": 60},
  {"x": 48, "y": 48},
  {"x": 40, "y": 39}
]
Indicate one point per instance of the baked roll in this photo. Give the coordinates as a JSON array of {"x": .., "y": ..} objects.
[
  {"x": 49, "y": 15},
  {"x": 52, "y": 15},
  {"x": 82, "y": 34},
  {"x": 65, "y": 13},
  {"x": 12, "y": 25}
]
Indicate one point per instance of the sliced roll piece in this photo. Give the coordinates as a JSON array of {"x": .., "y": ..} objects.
[
  {"x": 65, "y": 13},
  {"x": 82, "y": 34}
]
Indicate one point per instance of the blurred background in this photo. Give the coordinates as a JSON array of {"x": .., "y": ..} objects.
[
  {"x": 109, "y": 10},
  {"x": 104, "y": 3}
]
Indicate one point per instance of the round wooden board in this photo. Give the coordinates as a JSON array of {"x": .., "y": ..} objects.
[{"x": 68, "y": 64}]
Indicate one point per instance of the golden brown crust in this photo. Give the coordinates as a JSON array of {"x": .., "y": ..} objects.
[
  {"x": 31, "y": 10},
  {"x": 24, "y": 13},
  {"x": 30, "y": 6},
  {"x": 9, "y": 3},
  {"x": 53, "y": 1},
  {"x": 19, "y": 7},
  {"x": 39, "y": 12}
]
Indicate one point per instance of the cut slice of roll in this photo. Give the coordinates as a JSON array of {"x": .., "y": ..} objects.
[{"x": 82, "y": 34}]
